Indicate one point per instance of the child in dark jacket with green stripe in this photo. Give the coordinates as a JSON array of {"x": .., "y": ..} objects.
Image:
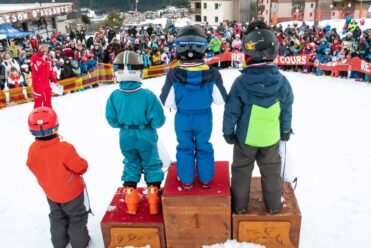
[{"x": 257, "y": 116}]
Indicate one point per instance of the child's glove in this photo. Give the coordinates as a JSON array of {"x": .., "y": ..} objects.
[
  {"x": 230, "y": 138},
  {"x": 285, "y": 135}
]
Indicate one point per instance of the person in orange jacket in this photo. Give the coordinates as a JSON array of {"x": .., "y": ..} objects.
[{"x": 58, "y": 169}]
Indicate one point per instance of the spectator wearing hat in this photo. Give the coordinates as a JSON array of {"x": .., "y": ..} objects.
[
  {"x": 98, "y": 52},
  {"x": 15, "y": 79},
  {"x": 348, "y": 41},
  {"x": 26, "y": 74},
  {"x": 84, "y": 64},
  {"x": 2, "y": 75},
  {"x": 9, "y": 62},
  {"x": 111, "y": 34},
  {"x": 66, "y": 69},
  {"x": 14, "y": 51},
  {"x": 92, "y": 62}
]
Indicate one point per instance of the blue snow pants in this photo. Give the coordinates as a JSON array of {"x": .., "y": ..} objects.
[
  {"x": 139, "y": 147},
  {"x": 193, "y": 131}
]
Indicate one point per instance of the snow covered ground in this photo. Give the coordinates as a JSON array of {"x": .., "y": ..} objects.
[{"x": 330, "y": 153}]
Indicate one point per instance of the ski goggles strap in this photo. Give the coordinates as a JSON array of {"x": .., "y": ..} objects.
[
  {"x": 118, "y": 67},
  {"x": 190, "y": 43}
]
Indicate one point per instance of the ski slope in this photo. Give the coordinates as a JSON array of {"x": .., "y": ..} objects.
[{"x": 330, "y": 153}]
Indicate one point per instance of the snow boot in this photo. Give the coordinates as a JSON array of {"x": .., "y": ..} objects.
[
  {"x": 205, "y": 185},
  {"x": 154, "y": 200},
  {"x": 132, "y": 200},
  {"x": 187, "y": 186}
]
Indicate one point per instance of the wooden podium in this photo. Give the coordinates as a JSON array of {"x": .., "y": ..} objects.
[
  {"x": 200, "y": 216},
  {"x": 280, "y": 230},
  {"x": 120, "y": 229}
]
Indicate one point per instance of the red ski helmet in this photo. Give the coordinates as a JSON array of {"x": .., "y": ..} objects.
[
  {"x": 84, "y": 59},
  {"x": 43, "y": 121}
]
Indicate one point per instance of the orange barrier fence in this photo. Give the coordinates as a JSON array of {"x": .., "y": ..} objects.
[{"x": 102, "y": 74}]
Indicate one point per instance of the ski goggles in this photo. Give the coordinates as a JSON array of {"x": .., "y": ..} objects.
[
  {"x": 118, "y": 67},
  {"x": 191, "y": 43}
]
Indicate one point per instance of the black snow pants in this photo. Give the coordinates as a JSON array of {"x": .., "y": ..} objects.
[
  {"x": 68, "y": 223},
  {"x": 269, "y": 162}
]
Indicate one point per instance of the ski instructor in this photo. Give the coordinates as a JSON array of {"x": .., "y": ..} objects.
[{"x": 42, "y": 72}]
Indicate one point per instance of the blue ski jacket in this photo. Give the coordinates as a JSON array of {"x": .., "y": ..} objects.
[{"x": 193, "y": 86}]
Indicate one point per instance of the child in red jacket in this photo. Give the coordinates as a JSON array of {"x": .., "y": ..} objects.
[{"x": 58, "y": 169}]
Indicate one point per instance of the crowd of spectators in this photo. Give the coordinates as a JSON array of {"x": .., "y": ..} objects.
[
  {"x": 75, "y": 54},
  {"x": 326, "y": 44}
]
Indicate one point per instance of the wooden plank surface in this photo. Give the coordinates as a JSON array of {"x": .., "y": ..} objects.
[{"x": 266, "y": 224}]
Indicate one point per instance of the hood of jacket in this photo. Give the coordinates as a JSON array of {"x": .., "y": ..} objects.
[
  {"x": 193, "y": 75},
  {"x": 263, "y": 81}
]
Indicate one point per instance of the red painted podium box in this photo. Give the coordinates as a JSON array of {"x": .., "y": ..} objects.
[
  {"x": 120, "y": 229},
  {"x": 200, "y": 216},
  {"x": 281, "y": 230}
]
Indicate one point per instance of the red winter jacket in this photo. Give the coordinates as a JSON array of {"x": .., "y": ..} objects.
[
  {"x": 42, "y": 71},
  {"x": 57, "y": 167},
  {"x": 33, "y": 43}
]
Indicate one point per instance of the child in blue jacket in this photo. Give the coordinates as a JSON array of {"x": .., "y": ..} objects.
[{"x": 191, "y": 88}]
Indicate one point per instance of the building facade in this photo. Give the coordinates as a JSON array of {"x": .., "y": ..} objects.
[
  {"x": 42, "y": 18},
  {"x": 311, "y": 10},
  {"x": 273, "y": 11},
  {"x": 216, "y": 11}
]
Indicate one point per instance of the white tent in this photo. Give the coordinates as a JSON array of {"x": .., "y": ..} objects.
[{"x": 2, "y": 37}]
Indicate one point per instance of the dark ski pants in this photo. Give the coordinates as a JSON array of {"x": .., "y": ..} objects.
[
  {"x": 68, "y": 223},
  {"x": 269, "y": 162}
]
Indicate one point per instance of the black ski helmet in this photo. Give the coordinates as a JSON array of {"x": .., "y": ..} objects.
[
  {"x": 191, "y": 43},
  {"x": 260, "y": 43}
]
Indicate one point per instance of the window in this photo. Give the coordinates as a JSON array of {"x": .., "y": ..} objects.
[
  {"x": 312, "y": 5},
  {"x": 310, "y": 14},
  {"x": 205, "y": 18},
  {"x": 198, "y": 18},
  {"x": 267, "y": 2},
  {"x": 198, "y": 5},
  {"x": 205, "y": 5},
  {"x": 216, "y": 19},
  {"x": 333, "y": 13},
  {"x": 266, "y": 12},
  {"x": 216, "y": 6}
]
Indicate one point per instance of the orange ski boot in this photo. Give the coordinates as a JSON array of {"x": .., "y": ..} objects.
[
  {"x": 132, "y": 200},
  {"x": 154, "y": 200}
]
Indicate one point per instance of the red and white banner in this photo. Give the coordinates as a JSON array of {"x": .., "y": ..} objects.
[
  {"x": 228, "y": 56},
  {"x": 294, "y": 60},
  {"x": 354, "y": 64},
  {"x": 342, "y": 65},
  {"x": 357, "y": 64}
]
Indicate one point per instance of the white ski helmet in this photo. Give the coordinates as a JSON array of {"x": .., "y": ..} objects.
[{"x": 128, "y": 66}]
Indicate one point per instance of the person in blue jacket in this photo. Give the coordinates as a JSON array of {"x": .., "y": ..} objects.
[
  {"x": 257, "y": 116},
  {"x": 191, "y": 88},
  {"x": 92, "y": 62},
  {"x": 137, "y": 112}
]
